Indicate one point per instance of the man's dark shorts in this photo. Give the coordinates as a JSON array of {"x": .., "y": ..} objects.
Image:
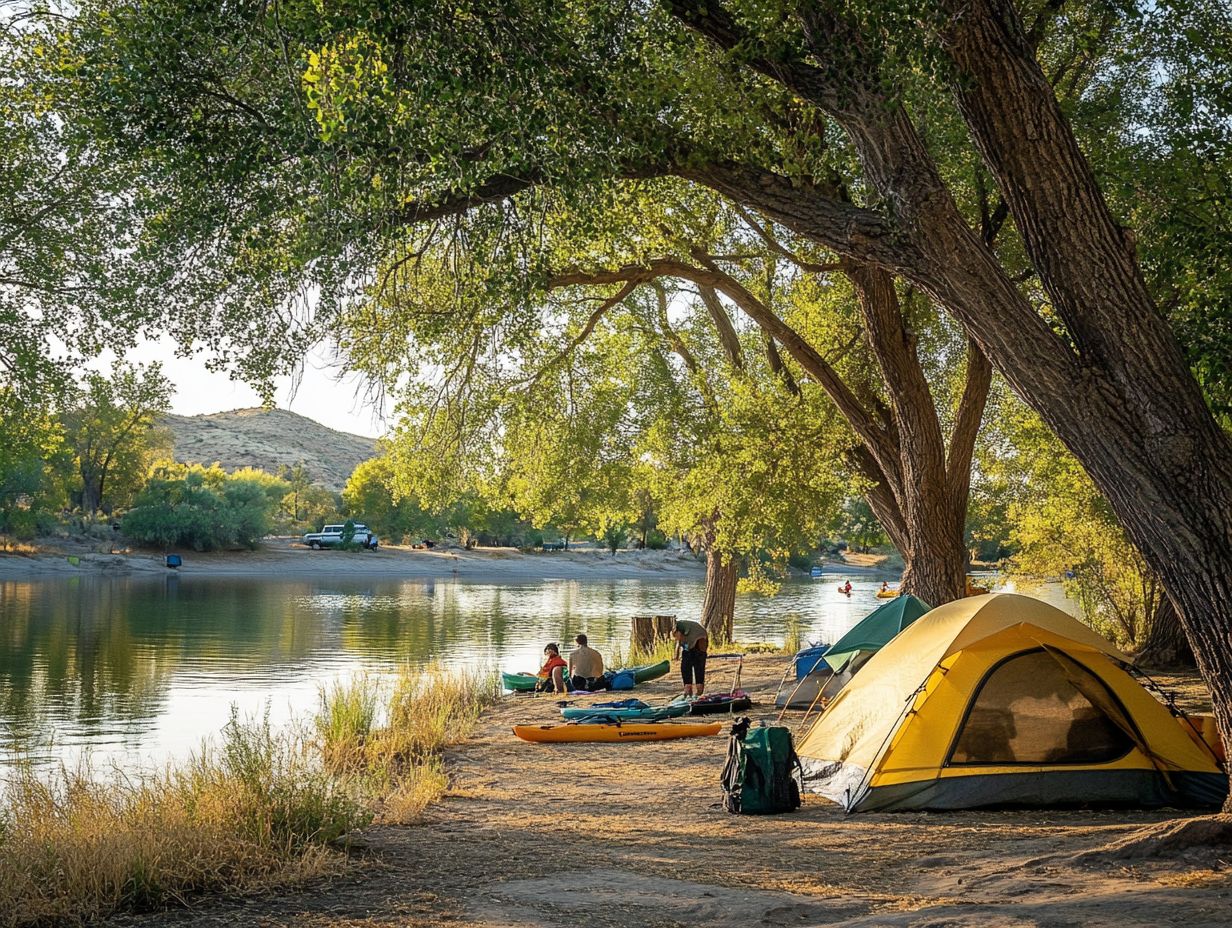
[{"x": 693, "y": 666}]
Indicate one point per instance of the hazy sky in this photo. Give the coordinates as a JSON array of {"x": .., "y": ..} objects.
[{"x": 338, "y": 404}]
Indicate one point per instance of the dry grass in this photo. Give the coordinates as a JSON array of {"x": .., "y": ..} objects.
[
  {"x": 12, "y": 545},
  {"x": 257, "y": 809}
]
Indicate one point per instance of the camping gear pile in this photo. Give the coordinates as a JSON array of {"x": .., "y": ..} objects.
[
  {"x": 632, "y": 719},
  {"x": 822, "y": 671},
  {"x": 624, "y": 710}
]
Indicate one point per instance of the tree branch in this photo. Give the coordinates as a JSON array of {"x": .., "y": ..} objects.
[
  {"x": 722, "y": 322},
  {"x": 778, "y": 248},
  {"x": 967, "y": 424},
  {"x": 574, "y": 343},
  {"x": 805, "y": 354}
]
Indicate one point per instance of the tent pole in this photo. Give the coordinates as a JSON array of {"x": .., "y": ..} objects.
[
  {"x": 821, "y": 689},
  {"x": 790, "y": 664}
]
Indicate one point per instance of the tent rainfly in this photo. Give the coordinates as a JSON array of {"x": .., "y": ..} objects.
[
  {"x": 1003, "y": 700},
  {"x": 877, "y": 629}
]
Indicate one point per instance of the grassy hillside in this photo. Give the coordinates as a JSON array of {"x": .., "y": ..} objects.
[{"x": 268, "y": 438}]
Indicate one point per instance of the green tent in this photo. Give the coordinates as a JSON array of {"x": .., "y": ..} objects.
[{"x": 874, "y": 631}]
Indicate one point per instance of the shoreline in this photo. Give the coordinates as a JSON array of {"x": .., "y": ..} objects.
[{"x": 280, "y": 558}]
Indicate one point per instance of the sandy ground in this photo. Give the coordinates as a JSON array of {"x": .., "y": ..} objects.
[
  {"x": 562, "y": 836},
  {"x": 282, "y": 557},
  {"x": 285, "y": 557}
]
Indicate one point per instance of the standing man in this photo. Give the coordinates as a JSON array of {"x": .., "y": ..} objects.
[
  {"x": 585, "y": 666},
  {"x": 694, "y": 643}
]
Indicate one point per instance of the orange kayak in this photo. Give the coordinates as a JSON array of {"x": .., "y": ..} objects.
[{"x": 610, "y": 732}]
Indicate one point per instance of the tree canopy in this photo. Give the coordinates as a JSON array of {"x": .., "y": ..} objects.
[{"x": 1048, "y": 174}]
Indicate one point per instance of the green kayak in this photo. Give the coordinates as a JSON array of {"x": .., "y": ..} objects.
[
  {"x": 525, "y": 682},
  {"x": 651, "y": 671},
  {"x": 519, "y": 682}
]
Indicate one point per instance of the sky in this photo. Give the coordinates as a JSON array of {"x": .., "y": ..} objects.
[{"x": 320, "y": 394}]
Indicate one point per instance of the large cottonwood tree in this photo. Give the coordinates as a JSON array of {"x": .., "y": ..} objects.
[{"x": 293, "y": 144}]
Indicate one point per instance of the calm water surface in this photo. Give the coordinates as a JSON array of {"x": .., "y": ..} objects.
[{"x": 132, "y": 672}]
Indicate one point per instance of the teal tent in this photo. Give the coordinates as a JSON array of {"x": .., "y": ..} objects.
[{"x": 874, "y": 631}]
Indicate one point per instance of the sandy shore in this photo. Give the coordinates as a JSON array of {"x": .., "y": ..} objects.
[
  {"x": 283, "y": 557},
  {"x": 631, "y": 835}
]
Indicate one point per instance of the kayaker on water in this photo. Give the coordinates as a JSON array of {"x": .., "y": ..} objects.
[
  {"x": 585, "y": 666},
  {"x": 552, "y": 673},
  {"x": 694, "y": 644}
]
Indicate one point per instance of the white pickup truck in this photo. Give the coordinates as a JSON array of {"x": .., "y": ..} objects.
[{"x": 330, "y": 536}]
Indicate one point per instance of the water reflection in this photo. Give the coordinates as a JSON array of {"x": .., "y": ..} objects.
[{"x": 137, "y": 670}]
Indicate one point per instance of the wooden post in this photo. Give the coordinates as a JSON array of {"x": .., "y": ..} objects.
[
  {"x": 648, "y": 630},
  {"x": 643, "y": 632},
  {"x": 663, "y": 626}
]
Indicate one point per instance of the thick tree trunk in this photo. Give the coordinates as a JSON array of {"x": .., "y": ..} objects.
[
  {"x": 719, "y": 603},
  {"x": 1157, "y": 453},
  {"x": 936, "y": 563},
  {"x": 1165, "y": 645},
  {"x": 91, "y": 495},
  {"x": 1120, "y": 395},
  {"x": 929, "y": 536}
]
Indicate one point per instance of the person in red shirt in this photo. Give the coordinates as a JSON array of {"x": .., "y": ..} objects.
[{"x": 552, "y": 673}]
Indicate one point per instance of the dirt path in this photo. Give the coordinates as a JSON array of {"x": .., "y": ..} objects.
[{"x": 538, "y": 836}]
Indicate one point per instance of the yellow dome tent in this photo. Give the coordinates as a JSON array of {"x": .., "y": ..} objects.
[{"x": 1003, "y": 700}]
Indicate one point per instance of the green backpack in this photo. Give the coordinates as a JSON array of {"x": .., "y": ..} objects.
[{"x": 761, "y": 773}]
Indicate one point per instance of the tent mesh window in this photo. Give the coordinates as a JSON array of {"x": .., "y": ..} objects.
[{"x": 1030, "y": 709}]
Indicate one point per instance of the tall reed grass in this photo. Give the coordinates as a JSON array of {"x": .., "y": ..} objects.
[
  {"x": 398, "y": 762},
  {"x": 257, "y": 808}
]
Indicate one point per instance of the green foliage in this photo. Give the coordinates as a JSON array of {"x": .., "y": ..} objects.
[
  {"x": 1064, "y": 529},
  {"x": 32, "y": 462},
  {"x": 110, "y": 428},
  {"x": 370, "y": 495},
  {"x": 304, "y": 504},
  {"x": 190, "y": 506},
  {"x": 858, "y": 526},
  {"x": 616, "y": 536}
]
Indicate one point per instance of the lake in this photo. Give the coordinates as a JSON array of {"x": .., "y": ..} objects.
[{"x": 134, "y": 671}]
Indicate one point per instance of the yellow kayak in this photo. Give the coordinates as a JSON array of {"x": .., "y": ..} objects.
[
  {"x": 887, "y": 594},
  {"x": 613, "y": 732}
]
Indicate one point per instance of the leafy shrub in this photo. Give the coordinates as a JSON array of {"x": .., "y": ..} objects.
[
  {"x": 190, "y": 506},
  {"x": 656, "y": 540}
]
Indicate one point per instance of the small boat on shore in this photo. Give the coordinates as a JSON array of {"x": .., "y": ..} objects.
[{"x": 612, "y": 732}]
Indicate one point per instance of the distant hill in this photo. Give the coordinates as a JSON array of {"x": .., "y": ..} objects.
[{"x": 269, "y": 438}]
